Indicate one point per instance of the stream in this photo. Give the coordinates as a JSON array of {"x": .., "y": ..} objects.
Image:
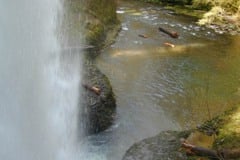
[
  {"x": 161, "y": 88},
  {"x": 157, "y": 88}
]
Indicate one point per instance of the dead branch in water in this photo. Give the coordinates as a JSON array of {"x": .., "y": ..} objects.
[
  {"x": 169, "y": 44},
  {"x": 143, "y": 36},
  {"x": 171, "y": 34},
  {"x": 94, "y": 89},
  {"x": 193, "y": 150}
]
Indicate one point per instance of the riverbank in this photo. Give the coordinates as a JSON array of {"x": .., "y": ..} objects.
[
  {"x": 223, "y": 18},
  {"x": 221, "y": 133}
]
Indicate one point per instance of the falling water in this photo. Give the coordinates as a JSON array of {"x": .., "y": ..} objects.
[{"x": 39, "y": 84}]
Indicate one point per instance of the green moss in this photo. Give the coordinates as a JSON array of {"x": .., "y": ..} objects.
[
  {"x": 183, "y": 7},
  {"x": 103, "y": 10},
  {"x": 187, "y": 10},
  {"x": 227, "y": 140},
  {"x": 88, "y": 21},
  {"x": 175, "y": 2},
  {"x": 94, "y": 34},
  {"x": 100, "y": 109},
  {"x": 226, "y": 127},
  {"x": 229, "y": 131},
  {"x": 101, "y": 20}
]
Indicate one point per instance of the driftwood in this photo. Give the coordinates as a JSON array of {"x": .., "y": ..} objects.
[
  {"x": 143, "y": 36},
  {"x": 78, "y": 48},
  {"x": 94, "y": 89},
  {"x": 169, "y": 44},
  {"x": 193, "y": 150},
  {"x": 170, "y": 33}
]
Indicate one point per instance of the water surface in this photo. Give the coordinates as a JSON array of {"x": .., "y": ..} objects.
[{"x": 162, "y": 88}]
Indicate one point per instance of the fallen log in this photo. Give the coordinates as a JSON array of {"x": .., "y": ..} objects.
[
  {"x": 78, "y": 48},
  {"x": 94, "y": 89},
  {"x": 170, "y": 33},
  {"x": 193, "y": 150}
]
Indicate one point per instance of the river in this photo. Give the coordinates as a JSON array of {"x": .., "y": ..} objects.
[
  {"x": 161, "y": 88},
  {"x": 157, "y": 88}
]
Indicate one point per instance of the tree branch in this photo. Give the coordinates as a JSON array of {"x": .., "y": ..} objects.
[{"x": 193, "y": 150}]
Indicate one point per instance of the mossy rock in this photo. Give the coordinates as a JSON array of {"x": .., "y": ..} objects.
[
  {"x": 89, "y": 22},
  {"x": 226, "y": 127},
  {"x": 100, "y": 19},
  {"x": 98, "y": 110},
  {"x": 229, "y": 131},
  {"x": 164, "y": 146}
]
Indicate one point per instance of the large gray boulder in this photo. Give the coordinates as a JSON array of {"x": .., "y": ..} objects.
[
  {"x": 98, "y": 110},
  {"x": 164, "y": 146}
]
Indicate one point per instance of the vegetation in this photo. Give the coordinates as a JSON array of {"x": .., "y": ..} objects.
[
  {"x": 226, "y": 130},
  {"x": 94, "y": 18},
  {"x": 221, "y": 15},
  {"x": 100, "y": 20}
]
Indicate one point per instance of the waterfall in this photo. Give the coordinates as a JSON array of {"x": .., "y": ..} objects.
[{"x": 39, "y": 84}]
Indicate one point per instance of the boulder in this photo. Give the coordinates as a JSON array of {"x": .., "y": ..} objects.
[
  {"x": 164, "y": 146},
  {"x": 98, "y": 109}
]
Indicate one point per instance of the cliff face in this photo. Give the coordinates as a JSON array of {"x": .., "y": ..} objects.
[
  {"x": 100, "y": 20},
  {"x": 89, "y": 25},
  {"x": 89, "y": 22},
  {"x": 100, "y": 28}
]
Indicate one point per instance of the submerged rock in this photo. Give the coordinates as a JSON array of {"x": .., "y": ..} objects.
[{"x": 164, "y": 146}]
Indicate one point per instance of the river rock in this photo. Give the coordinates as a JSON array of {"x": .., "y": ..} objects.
[
  {"x": 98, "y": 110},
  {"x": 164, "y": 146},
  {"x": 100, "y": 27}
]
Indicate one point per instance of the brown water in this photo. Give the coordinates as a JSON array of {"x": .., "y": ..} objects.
[
  {"x": 160, "y": 88},
  {"x": 195, "y": 80}
]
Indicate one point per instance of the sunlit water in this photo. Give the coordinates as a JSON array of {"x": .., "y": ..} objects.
[{"x": 39, "y": 84}]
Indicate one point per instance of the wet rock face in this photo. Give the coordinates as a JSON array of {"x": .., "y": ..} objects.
[
  {"x": 164, "y": 146},
  {"x": 98, "y": 109},
  {"x": 100, "y": 27},
  {"x": 100, "y": 19}
]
